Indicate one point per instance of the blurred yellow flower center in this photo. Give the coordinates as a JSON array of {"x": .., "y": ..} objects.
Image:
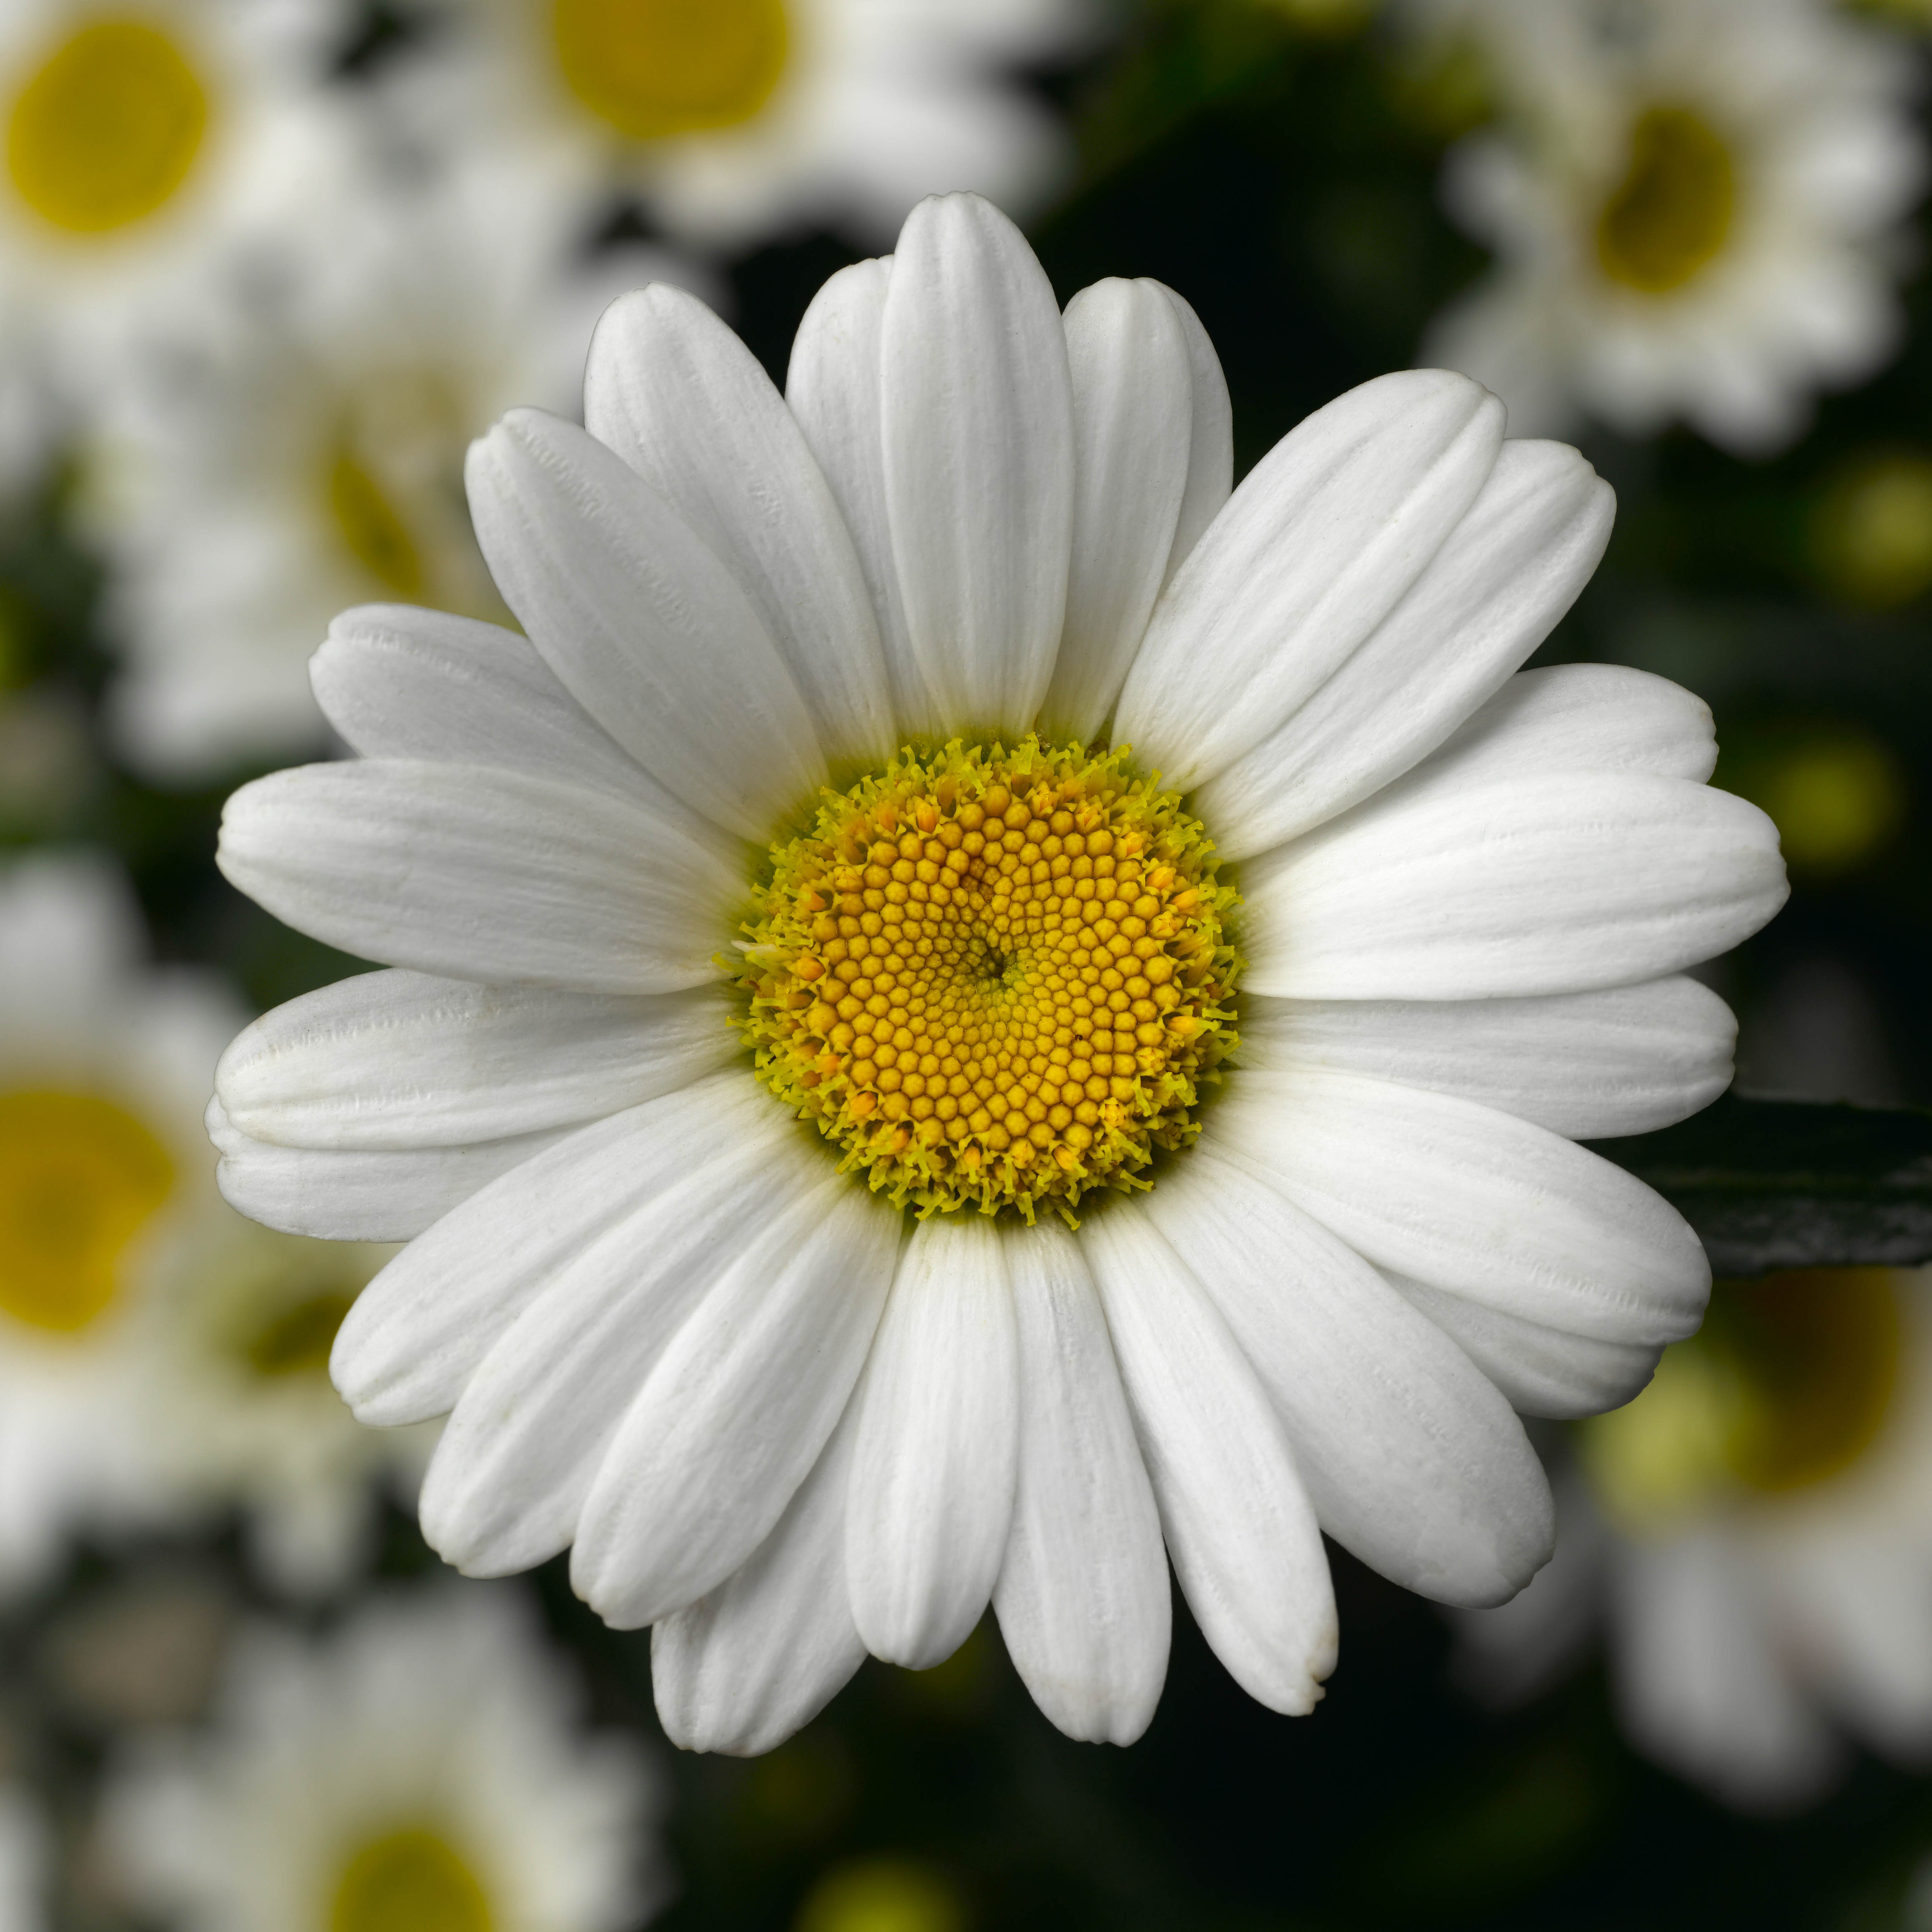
[
  {"x": 1673, "y": 212},
  {"x": 375, "y": 533},
  {"x": 392, "y": 477},
  {"x": 408, "y": 1881},
  {"x": 1834, "y": 799},
  {"x": 297, "y": 1339},
  {"x": 79, "y": 1179},
  {"x": 654, "y": 68},
  {"x": 107, "y": 129},
  {"x": 1873, "y": 533},
  {"x": 1788, "y": 1384},
  {"x": 882, "y": 1895},
  {"x": 995, "y": 979}
]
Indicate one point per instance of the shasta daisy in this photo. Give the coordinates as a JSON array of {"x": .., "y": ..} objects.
[{"x": 868, "y": 1145}]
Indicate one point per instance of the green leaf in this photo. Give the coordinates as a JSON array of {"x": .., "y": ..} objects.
[{"x": 1792, "y": 1183}]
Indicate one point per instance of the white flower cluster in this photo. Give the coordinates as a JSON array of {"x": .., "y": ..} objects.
[
  {"x": 163, "y": 1368},
  {"x": 270, "y": 296}
]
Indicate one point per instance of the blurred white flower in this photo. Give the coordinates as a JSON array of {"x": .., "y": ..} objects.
[
  {"x": 731, "y": 119},
  {"x": 107, "y": 1193},
  {"x": 1755, "y": 1530},
  {"x": 135, "y": 137},
  {"x": 1694, "y": 204},
  {"x": 778, "y": 1416},
  {"x": 24, "y": 1863},
  {"x": 288, "y": 437},
  {"x": 238, "y": 1409},
  {"x": 423, "y": 1768}
]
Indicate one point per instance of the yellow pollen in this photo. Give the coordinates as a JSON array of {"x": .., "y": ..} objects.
[
  {"x": 107, "y": 129},
  {"x": 1672, "y": 214},
  {"x": 656, "y": 68},
  {"x": 995, "y": 979},
  {"x": 1789, "y": 1383},
  {"x": 408, "y": 1881},
  {"x": 79, "y": 1179}
]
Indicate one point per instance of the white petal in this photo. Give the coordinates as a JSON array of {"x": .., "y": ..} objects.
[
  {"x": 737, "y": 1409},
  {"x": 420, "y": 1329},
  {"x": 405, "y": 1059},
  {"x": 1133, "y": 410},
  {"x": 359, "y": 1196},
  {"x": 524, "y": 1444},
  {"x": 1467, "y": 1199},
  {"x": 977, "y": 422},
  {"x": 649, "y": 631},
  {"x": 1539, "y": 884},
  {"x": 761, "y": 1656},
  {"x": 1507, "y": 1655},
  {"x": 1625, "y": 1060},
  {"x": 1083, "y": 1598},
  {"x": 932, "y": 1497},
  {"x": 1414, "y": 1461},
  {"x": 1542, "y": 1370},
  {"x": 1311, "y": 554},
  {"x": 675, "y": 393},
  {"x": 1237, "y": 1521},
  {"x": 833, "y": 391},
  {"x": 1210, "y": 456},
  {"x": 1494, "y": 591},
  {"x": 1572, "y": 717},
  {"x": 399, "y": 682},
  {"x": 1863, "y": 1599},
  {"x": 1702, "y": 1684},
  {"x": 481, "y": 874}
]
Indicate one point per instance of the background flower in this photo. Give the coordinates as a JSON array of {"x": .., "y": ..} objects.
[
  {"x": 1693, "y": 206},
  {"x": 420, "y": 1767},
  {"x": 1753, "y": 1531},
  {"x": 287, "y": 437},
  {"x": 754, "y": 114},
  {"x": 109, "y": 1199}
]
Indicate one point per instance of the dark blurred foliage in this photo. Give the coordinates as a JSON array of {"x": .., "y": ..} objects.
[{"x": 1284, "y": 181}]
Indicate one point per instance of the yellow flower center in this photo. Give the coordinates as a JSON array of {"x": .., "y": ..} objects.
[
  {"x": 297, "y": 1340},
  {"x": 408, "y": 1881},
  {"x": 106, "y": 128},
  {"x": 995, "y": 979},
  {"x": 654, "y": 68},
  {"x": 1673, "y": 212},
  {"x": 1789, "y": 1383},
  {"x": 374, "y": 533},
  {"x": 391, "y": 479},
  {"x": 79, "y": 1179}
]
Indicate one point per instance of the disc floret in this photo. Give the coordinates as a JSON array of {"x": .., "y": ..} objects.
[{"x": 995, "y": 979}]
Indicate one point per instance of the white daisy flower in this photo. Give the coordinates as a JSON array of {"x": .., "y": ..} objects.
[
  {"x": 1755, "y": 1531},
  {"x": 422, "y": 1768},
  {"x": 784, "y": 970},
  {"x": 290, "y": 440},
  {"x": 237, "y": 1406},
  {"x": 106, "y": 1199},
  {"x": 136, "y": 135},
  {"x": 1693, "y": 206},
  {"x": 736, "y": 117}
]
